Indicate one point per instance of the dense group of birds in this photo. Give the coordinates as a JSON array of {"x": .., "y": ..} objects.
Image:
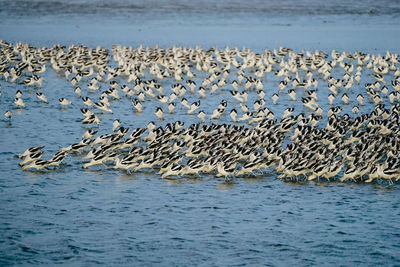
[{"x": 234, "y": 138}]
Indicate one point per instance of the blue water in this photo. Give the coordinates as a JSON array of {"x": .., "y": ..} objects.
[{"x": 102, "y": 216}]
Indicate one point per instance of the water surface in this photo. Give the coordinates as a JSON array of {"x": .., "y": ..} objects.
[{"x": 102, "y": 216}]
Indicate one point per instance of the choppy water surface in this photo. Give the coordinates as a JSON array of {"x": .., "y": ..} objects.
[{"x": 102, "y": 216}]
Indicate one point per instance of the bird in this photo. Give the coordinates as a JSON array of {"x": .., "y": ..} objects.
[
  {"x": 8, "y": 115},
  {"x": 236, "y": 95},
  {"x": 137, "y": 105},
  {"x": 233, "y": 114},
  {"x": 57, "y": 158},
  {"x": 193, "y": 107},
  {"x": 87, "y": 101},
  {"x": 19, "y": 102},
  {"x": 288, "y": 112},
  {"x": 42, "y": 97},
  {"x": 192, "y": 85},
  {"x": 64, "y": 102},
  {"x": 217, "y": 113},
  {"x": 30, "y": 150},
  {"x": 201, "y": 115},
  {"x": 37, "y": 164},
  {"x": 355, "y": 110},
  {"x": 103, "y": 107},
  {"x": 185, "y": 103},
  {"x": 159, "y": 113},
  {"x": 89, "y": 134},
  {"x": 331, "y": 98},
  {"x": 92, "y": 119},
  {"x": 309, "y": 102},
  {"x": 86, "y": 112},
  {"x": 345, "y": 99},
  {"x": 171, "y": 107},
  {"x": 360, "y": 99},
  {"x": 225, "y": 169},
  {"x": 292, "y": 94},
  {"x": 93, "y": 86},
  {"x": 116, "y": 124},
  {"x": 244, "y": 108},
  {"x": 162, "y": 98},
  {"x": 18, "y": 94},
  {"x": 246, "y": 116},
  {"x": 99, "y": 159},
  {"x": 31, "y": 157},
  {"x": 125, "y": 164},
  {"x": 275, "y": 98},
  {"x": 175, "y": 169}
]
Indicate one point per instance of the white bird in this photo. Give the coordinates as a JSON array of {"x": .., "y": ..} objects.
[
  {"x": 93, "y": 86},
  {"x": 162, "y": 98},
  {"x": 355, "y": 110},
  {"x": 233, "y": 114},
  {"x": 97, "y": 160},
  {"x": 185, "y": 103},
  {"x": 191, "y": 84},
  {"x": 102, "y": 106},
  {"x": 202, "y": 116},
  {"x": 37, "y": 164},
  {"x": 30, "y": 150},
  {"x": 18, "y": 94},
  {"x": 246, "y": 116},
  {"x": 171, "y": 107},
  {"x": 92, "y": 119},
  {"x": 87, "y": 101},
  {"x": 78, "y": 91},
  {"x": 19, "y": 102},
  {"x": 42, "y": 97},
  {"x": 194, "y": 106},
  {"x": 275, "y": 98},
  {"x": 64, "y": 102},
  {"x": 173, "y": 170},
  {"x": 292, "y": 94},
  {"x": 159, "y": 113},
  {"x": 8, "y": 114},
  {"x": 331, "y": 98},
  {"x": 287, "y": 112},
  {"x": 137, "y": 105},
  {"x": 116, "y": 124},
  {"x": 244, "y": 108},
  {"x": 202, "y": 92},
  {"x": 345, "y": 99},
  {"x": 360, "y": 99},
  {"x": 89, "y": 134}
]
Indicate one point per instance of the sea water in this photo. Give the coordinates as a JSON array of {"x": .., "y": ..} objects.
[{"x": 102, "y": 216}]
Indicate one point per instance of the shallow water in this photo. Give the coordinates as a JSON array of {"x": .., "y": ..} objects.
[{"x": 102, "y": 216}]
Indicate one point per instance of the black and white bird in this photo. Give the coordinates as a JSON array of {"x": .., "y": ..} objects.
[
  {"x": 194, "y": 106},
  {"x": 64, "y": 102},
  {"x": 8, "y": 115},
  {"x": 42, "y": 97},
  {"x": 159, "y": 113}
]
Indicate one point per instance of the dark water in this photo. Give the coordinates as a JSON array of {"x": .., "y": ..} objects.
[
  {"x": 285, "y": 11},
  {"x": 100, "y": 216}
]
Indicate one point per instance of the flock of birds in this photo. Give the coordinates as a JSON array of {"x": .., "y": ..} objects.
[{"x": 313, "y": 144}]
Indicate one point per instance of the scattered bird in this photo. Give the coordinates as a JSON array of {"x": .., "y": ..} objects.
[
  {"x": 19, "y": 102},
  {"x": 159, "y": 113},
  {"x": 64, "y": 102},
  {"x": 275, "y": 98},
  {"x": 233, "y": 114},
  {"x": 8, "y": 115},
  {"x": 42, "y": 97}
]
